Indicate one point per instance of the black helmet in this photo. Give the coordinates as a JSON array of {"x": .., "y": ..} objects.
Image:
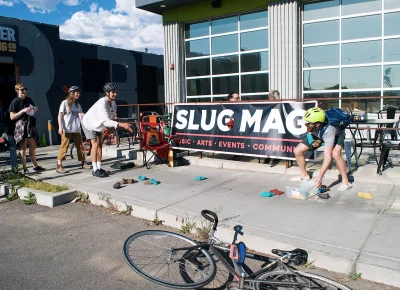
[
  {"x": 108, "y": 87},
  {"x": 73, "y": 88}
]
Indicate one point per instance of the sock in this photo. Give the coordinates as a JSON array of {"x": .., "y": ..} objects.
[
  {"x": 59, "y": 162},
  {"x": 94, "y": 166},
  {"x": 98, "y": 164}
]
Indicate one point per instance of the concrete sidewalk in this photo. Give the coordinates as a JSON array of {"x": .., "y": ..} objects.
[{"x": 339, "y": 233}]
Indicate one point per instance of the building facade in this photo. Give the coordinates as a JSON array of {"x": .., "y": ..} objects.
[
  {"x": 331, "y": 50},
  {"x": 34, "y": 54}
]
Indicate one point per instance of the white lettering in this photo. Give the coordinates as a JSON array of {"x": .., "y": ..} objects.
[
  {"x": 192, "y": 126},
  {"x": 221, "y": 116},
  {"x": 248, "y": 119},
  {"x": 7, "y": 34},
  {"x": 293, "y": 128},
  {"x": 204, "y": 126},
  {"x": 271, "y": 124},
  {"x": 181, "y": 120}
]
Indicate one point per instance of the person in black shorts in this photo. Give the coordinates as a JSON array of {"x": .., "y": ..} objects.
[
  {"x": 23, "y": 126},
  {"x": 320, "y": 133}
]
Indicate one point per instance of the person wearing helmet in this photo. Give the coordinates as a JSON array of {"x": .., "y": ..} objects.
[
  {"x": 333, "y": 139},
  {"x": 69, "y": 127},
  {"x": 96, "y": 120}
]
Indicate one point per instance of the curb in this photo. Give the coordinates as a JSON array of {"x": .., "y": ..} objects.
[
  {"x": 225, "y": 232},
  {"x": 44, "y": 198}
]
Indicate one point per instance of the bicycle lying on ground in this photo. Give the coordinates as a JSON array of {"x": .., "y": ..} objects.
[{"x": 178, "y": 262}]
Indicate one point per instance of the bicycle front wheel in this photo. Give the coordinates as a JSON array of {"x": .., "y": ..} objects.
[
  {"x": 313, "y": 281},
  {"x": 152, "y": 255}
]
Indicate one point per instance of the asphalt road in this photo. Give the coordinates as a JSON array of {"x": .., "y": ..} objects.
[{"x": 79, "y": 246}]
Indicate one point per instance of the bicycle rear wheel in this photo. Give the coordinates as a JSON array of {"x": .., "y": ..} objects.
[
  {"x": 151, "y": 254},
  {"x": 315, "y": 281}
]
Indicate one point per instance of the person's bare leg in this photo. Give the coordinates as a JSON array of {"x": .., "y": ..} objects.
[
  {"x": 22, "y": 152},
  {"x": 94, "y": 150},
  {"x": 99, "y": 150},
  {"x": 340, "y": 163},
  {"x": 299, "y": 152},
  {"x": 32, "y": 151}
]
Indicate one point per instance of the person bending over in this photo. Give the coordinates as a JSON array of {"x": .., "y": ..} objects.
[
  {"x": 333, "y": 138},
  {"x": 96, "y": 120}
]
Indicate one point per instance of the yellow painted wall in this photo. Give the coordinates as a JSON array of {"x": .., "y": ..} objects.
[{"x": 204, "y": 10}]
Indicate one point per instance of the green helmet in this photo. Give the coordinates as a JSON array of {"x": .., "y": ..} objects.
[{"x": 314, "y": 115}]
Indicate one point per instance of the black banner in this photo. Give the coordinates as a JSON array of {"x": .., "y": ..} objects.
[{"x": 253, "y": 129}]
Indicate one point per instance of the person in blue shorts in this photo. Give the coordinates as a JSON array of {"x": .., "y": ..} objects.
[{"x": 331, "y": 137}]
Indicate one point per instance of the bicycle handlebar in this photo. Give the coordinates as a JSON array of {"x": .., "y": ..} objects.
[{"x": 211, "y": 216}]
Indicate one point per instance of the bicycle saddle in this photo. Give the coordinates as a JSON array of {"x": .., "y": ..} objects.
[{"x": 297, "y": 256}]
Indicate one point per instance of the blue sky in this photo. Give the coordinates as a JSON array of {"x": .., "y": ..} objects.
[{"x": 114, "y": 23}]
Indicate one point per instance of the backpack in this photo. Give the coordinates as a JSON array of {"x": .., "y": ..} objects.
[{"x": 337, "y": 117}]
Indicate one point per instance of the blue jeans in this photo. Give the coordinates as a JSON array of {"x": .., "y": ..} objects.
[{"x": 13, "y": 152}]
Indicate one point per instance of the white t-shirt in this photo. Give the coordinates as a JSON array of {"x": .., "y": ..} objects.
[
  {"x": 100, "y": 116},
  {"x": 71, "y": 121}
]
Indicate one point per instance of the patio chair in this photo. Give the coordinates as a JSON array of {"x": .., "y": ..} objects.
[
  {"x": 153, "y": 141},
  {"x": 386, "y": 147}
]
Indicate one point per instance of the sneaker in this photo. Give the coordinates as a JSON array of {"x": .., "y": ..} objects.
[
  {"x": 300, "y": 178},
  {"x": 98, "y": 173},
  {"x": 60, "y": 169},
  {"x": 26, "y": 171},
  {"x": 344, "y": 187},
  {"x": 39, "y": 168}
]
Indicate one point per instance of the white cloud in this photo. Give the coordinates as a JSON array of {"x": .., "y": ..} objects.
[
  {"x": 46, "y": 6},
  {"x": 6, "y": 3},
  {"x": 123, "y": 27},
  {"x": 71, "y": 2}
]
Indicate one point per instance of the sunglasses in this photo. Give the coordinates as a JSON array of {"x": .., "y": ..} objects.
[{"x": 23, "y": 89}]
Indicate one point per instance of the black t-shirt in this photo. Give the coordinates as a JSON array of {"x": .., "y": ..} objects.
[{"x": 17, "y": 105}]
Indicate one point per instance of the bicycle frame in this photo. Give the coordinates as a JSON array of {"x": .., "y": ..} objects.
[{"x": 242, "y": 276}]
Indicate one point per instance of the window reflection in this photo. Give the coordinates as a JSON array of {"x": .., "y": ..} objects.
[
  {"x": 254, "y": 20},
  {"x": 224, "y": 44},
  {"x": 224, "y": 25},
  {"x": 255, "y": 61},
  {"x": 392, "y": 4},
  {"x": 393, "y": 102},
  {"x": 392, "y": 52},
  {"x": 360, "y": 6},
  {"x": 224, "y": 85},
  {"x": 198, "y": 67},
  {"x": 362, "y": 27},
  {"x": 321, "y": 32},
  {"x": 325, "y": 55},
  {"x": 392, "y": 24},
  {"x": 324, "y": 104},
  {"x": 254, "y": 40},
  {"x": 196, "y": 30},
  {"x": 255, "y": 83},
  {"x": 225, "y": 64},
  {"x": 198, "y": 87},
  {"x": 391, "y": 75},
  {"x": 368, "y": 105},
  {"x": 200, "y": 47},
  {"x": 362, "y": 52},
  {"x": 325, "y": 79},
  {"x": 198, "y": 100},
  {"x": 361, "y": 77},
  {"x": 321, "y": 10}
]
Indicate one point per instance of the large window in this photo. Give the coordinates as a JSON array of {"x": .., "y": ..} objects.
[
  {"x": 351, "y": 48},
  {"x": 228, "y": 54}
]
